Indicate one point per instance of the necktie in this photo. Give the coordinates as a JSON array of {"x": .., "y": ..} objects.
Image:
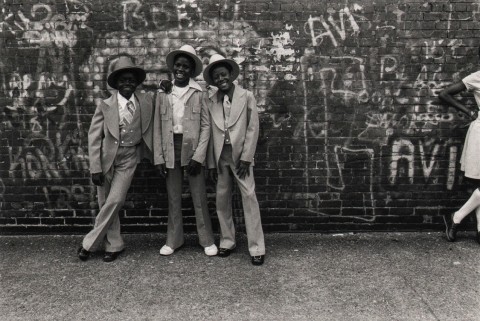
[
  {"x": 128, "y": 115},
  {"x": 227, "y": 106}
]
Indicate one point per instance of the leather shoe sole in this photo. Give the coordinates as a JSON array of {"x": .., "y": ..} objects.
[
  {"x": 258, "y": 259},
  {"x": 223, "y": 252},
  {"x": 448, "y": 220},
  {"x": 111, "y": 256},
  {"x": 83, "y": 254}
]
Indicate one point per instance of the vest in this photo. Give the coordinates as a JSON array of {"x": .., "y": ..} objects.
[{"x": 131, "y": 134}]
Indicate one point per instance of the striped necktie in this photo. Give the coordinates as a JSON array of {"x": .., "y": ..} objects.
[
  {"x": 128, "y": 114},
  {"x": 227, "y": 107}
]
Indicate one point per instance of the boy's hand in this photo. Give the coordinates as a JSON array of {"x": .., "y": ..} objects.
[
  {"x": 213, "y": 175},
  {"x": 166, "y": 85},
  {"x": 243, "y": 169},
  {"x": 162, "y": 169},
  {"x": 98, "y": 179},
  {"x": 194, "y": 168},
  {"x": 473, "y": 114}
]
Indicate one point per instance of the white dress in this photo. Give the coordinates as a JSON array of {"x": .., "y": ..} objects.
[{"x": 470, "y": 160}]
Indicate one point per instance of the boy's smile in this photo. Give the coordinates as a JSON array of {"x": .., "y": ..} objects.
[
  {"x": 182, "y": 70},
  {"x": 221, "y": 78}
]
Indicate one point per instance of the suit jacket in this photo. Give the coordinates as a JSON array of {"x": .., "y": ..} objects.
[
  {"x": 196, "y": 131},
  {"x": 104, "y": 132},
  {"x": 243, "y": 125}
]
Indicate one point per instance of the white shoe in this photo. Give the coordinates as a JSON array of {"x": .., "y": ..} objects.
[
  {"x": 166, "y": 250},
  {"x": 211, "y": 250}
]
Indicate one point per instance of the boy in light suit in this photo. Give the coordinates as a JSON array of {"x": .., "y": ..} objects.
[
  {"x": 120, "y": 135},
  {"x": 234, "y": 128},
  {"x": 181, "y": 134}
]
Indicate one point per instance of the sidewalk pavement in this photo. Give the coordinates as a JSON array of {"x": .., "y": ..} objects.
[{"x": 371, "y": 276}]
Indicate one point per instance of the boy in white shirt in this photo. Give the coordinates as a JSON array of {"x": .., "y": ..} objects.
[{"x": 180, "y": 139}]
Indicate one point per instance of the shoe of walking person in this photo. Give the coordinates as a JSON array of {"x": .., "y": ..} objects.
[{"x": 451, "y": 228}]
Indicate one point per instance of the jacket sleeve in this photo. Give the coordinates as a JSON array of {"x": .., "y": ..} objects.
[
  {"x": 95, "y": 138},
  {"x": 202, "y": 147},
  {"x": 251, "y": 136},
  {"x": 210, "y": 152},
  {"x": 157, "y": 132}
]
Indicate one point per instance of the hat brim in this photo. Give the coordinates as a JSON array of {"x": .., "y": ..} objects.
[
  {"x": 139, "y": 73},
  {"x": 171, "y": 59},
  {"x": 233, "y": 75}
]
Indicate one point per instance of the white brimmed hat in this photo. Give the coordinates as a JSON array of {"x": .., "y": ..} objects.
[
  {"x": 122, "y": 64},
  {"x": 216, "y": 59},
  {"x": 188, "y": 51}
]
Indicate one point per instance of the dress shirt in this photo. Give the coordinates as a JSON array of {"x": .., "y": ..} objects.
[
  {"x": 122, "y": 106},
  {"x": 178, "y": 99}
]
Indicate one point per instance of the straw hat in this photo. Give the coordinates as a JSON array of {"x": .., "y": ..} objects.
[
  {"x": 216, "y": 59},
  {"x": 189, "y": 51},
  {"x": 123, "y": 64}
]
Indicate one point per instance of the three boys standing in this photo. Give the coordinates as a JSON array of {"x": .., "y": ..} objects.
[{"x": 189, "y": 131}]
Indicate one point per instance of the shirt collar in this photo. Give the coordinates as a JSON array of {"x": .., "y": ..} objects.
[
  {"x": 193, "y": 84},
  {"x": 122, "y": 101}
]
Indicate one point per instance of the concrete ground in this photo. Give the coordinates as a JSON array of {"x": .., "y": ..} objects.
[{"x": 371, "y": 276}]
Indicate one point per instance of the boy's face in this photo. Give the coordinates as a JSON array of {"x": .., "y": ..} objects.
[
  {"x": 182, "y": 70},
  {"x": 221, "y": 78},
  {"x": 126, "y": 84}
]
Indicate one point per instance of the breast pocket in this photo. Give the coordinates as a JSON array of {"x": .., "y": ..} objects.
[
  {"x": 196, "y": 110},
  {"x": 162, "y": 104}
]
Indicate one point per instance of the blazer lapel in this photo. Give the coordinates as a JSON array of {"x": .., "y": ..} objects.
[
  {"x": 145, "y": 111},
  {"x": 112, "y": 115},
  {"x": 238, "y": 104},
  {"x": 216, "y": 110}
]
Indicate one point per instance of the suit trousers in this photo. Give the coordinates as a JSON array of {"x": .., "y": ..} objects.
[
  {"x": 198, "y": 192},
  {"x": 251, "y": 210},
  {"x": 111, "y": 197}
]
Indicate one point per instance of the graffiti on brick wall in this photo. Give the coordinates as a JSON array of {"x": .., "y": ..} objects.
[
  {"x": 334, "y": 26},
  {"x": 399, "y": 110},
  {"x": 355, "y": 90},
  {"x": 41, "y": 118}
]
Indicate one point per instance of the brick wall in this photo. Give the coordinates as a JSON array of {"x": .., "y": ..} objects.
[{"x": 353, "y": 136}]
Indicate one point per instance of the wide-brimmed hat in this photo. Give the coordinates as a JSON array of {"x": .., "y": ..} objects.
[
  {"x": 123, "y": 64},
  {"x": 216, "y": 59},
  {"x": 188, "y": 51}
]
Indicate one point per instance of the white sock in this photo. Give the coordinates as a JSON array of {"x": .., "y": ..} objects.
[{"x": 472, "y": 203}]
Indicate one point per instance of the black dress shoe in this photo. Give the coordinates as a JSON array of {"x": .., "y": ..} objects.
[
  {"x": 450, "y": 227},
  {"x": 83, "y": 254},
  {"x": 258, "y": 259},
  {"x": 223, "y": 252},
  {"x": 111, "y": 256}
]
